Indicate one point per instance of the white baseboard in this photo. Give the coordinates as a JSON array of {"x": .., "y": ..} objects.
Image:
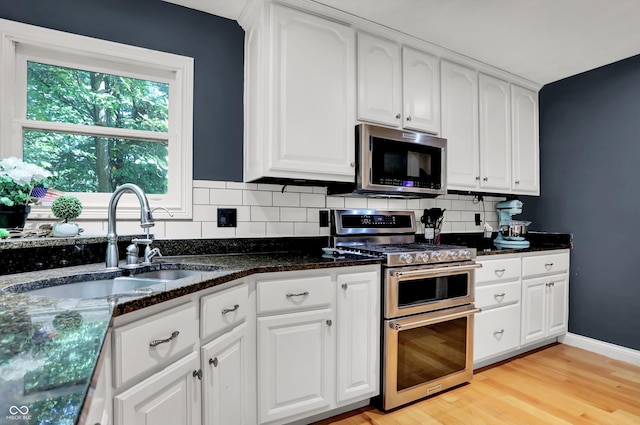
[{"x": 605, "y": 348}]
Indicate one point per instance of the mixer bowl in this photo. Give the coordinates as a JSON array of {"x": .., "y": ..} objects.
[{"x": 515, "y": 229}]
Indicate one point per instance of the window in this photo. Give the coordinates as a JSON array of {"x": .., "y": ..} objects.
[{"x": 98, "y": 114}]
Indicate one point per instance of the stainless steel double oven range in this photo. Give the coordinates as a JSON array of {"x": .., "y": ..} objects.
[{"x": 427, "y": 305}]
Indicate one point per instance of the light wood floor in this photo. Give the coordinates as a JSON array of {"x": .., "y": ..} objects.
[{"x": 555, "y": 385}]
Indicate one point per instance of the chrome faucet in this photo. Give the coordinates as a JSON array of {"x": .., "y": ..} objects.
[{"x": 146, "y": 219}]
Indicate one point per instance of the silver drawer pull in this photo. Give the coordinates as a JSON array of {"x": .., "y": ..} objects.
[
  {"x": 301, "y": 294},
  {"x": 500, "y": 272},
  {"x": 230, "y": 310},
  {"x": 498, "y": 333},
  {"x": 548, "y": 266},
  {"x": 214, "y": 361},
  {"x": 501, "y": 296},
  {"x": 197, "y": 374},
  {"x": 345, "y": 286},
  {"x": 157, "y": 342}
]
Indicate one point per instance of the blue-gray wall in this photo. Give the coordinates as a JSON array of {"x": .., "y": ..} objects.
[
  {"x": 215, "y": 43},
  {"x": 590, "y": 187}
]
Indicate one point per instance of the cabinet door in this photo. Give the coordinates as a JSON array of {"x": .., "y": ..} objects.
[
  {"x": 312, "y": 113},
  {"x": 169, "y": 397},
  {"x": 526, "y": 177},
  {"x": 227, "y": 392},
  {"x": 495, "y": 134},
  {"x": 459, "y": 87},
  {"x": 558, "y": 305},
  {"x": 420, "y": 91},
  {"x": 534, "y": 305},
  {"x": 358, "y": 335},
  {"x": 379, "y": 84},
  {"x": 294, "y": 363}
]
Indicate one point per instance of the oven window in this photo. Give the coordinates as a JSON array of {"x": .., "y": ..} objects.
[
  {"x": 431, "y": 352},
  {"x": 421, "y": 291}
]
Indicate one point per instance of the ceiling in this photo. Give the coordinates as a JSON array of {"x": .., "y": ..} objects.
[{"x": 541, "y": 40}]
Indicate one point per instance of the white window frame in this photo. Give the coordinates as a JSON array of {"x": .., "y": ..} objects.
[{"x": 20, "y": 43}]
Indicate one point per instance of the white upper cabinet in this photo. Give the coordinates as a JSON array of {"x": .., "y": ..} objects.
[
  {"x": 526, "y": 162},
  {"x": 495, "y": 134},
  {"x": 397, "y": 86},
  {"x": 459, "y": 86},
  {"x": 379, "y": 85},
  {"x": 420, "y": 91},
  {"x": 300, "y": 100}
]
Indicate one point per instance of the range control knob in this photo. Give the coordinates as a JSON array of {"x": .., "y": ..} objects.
[
  {"x": 406, "y": 258},
  {"x": 422, "y": 257},
  {"x": 465, "y": 254},
  {"x": 452, "y": 255},
  {"x": 436, "y": 256}
]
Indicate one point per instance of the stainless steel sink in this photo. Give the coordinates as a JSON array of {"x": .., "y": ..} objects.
[
  {"x": 166, "y": 274},
  {"x": 136, "y": 284},
  {"x": 97, "y": 288}
]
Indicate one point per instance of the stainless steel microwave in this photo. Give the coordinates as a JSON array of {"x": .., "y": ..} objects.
[{"x": 397, "y": 163}]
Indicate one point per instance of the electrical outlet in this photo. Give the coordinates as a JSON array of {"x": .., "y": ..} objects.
[
  {"x": 227, "y": 217},
  {"x": 477, "y": 219},
  {"x": 324, "y": 218}
]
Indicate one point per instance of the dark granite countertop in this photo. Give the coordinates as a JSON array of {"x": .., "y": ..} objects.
[{"x": 50, "y": 347}]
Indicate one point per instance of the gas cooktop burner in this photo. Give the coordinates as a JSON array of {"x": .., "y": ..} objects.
[{"x": 390, "y": 235}]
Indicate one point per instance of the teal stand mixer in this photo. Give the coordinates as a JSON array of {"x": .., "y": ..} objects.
[{"x": 510, "y": 231}]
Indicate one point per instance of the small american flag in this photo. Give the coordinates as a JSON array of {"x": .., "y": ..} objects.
[
  {"x": 47, "y": 198},
  {"x": 38, "y": 192}
]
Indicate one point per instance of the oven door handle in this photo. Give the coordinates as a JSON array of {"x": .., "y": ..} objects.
[
  {"x": 406, "y": 323},
  {"x": 439, "y": 271}
]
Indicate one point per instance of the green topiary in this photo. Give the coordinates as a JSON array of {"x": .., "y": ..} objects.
[{"x": 66, "y": 208}]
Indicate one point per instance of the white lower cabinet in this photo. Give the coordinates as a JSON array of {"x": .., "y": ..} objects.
[
  {"x": 273, "y": 348},
  {"x": 524, "y": 300},
  {"x": 294, "y": 363},
  {"x": 169, "y": 397},
  {"x": 226, "y": 392},
  {"x": 545, "y": 309},
  {"x": 318, "y": 344}
]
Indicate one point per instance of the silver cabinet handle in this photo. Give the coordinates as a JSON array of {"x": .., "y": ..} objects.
[
  {"x": 500, "y": 332},
  {"x": 398, "y": 116},
  {"x": 352, "y": 165},
  {"x": 485, "y": 179},
  {"x": 329, "y": 322},
  {"x": 344, "y": 286},
  {"x": 409, "y": 118},
  {"x": 197, "y": 374},
  {"x": 496, "y": 296},
  {"x": 499, "y": 272},
  {"x": 548, "y": 266},
  {"x": 301, "y": 294},
  {"x": 230, "y": 310},
  {"x": 214, "y": 362},
  {"x": 549, "y": 284},
  {"x": 517, "y": 181},
  {"x": 477, "y": 177},
  {"x": 157, "y": 342}
]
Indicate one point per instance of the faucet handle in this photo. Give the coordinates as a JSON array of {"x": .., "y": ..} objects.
[{"x": 142, "y": 241}]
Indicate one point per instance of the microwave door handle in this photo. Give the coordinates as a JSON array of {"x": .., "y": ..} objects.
[
  {"x": 407, "y": 324},
  {"x": 435, "y": 272}
]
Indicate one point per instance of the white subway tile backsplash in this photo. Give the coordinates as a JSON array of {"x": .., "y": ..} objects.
[
  {"x": 260, "y": 213},
  {"x": 200, "y": 196},
  {"x": 255, "y": 197},
  {"x": 267, "y": 210},
  {"x": 286, "y": 199},
  {"x": 226, "y": 196},
  {"x": 293, "y": 214},
  {"x": 312, "y": 200}
]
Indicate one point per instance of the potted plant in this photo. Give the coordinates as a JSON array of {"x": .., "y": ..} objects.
[
  {"x": 18, "y": 183},
  {"x": 66, "y": 208}
]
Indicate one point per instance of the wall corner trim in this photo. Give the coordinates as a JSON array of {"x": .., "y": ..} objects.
[{"x": 604, "y": 348}]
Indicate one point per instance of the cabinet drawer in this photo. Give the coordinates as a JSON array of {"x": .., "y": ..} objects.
[
  {"x": 154, "y": 341},
  {"x": 223, "y": 309},
  {"x": 545, "y": 264},
  {"x": 496, "y": 331},
  {"x": 490, "y": 296},
  {"x": 294, "y": 294},
  {"x": 496, "y": 270}
]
